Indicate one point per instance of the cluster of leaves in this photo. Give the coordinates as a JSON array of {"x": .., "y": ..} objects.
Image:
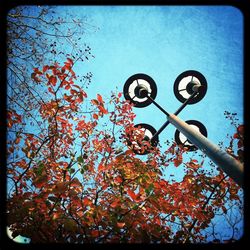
[
  {"x": 73, "y": 180},
  {"x": 237, "y": 139}
]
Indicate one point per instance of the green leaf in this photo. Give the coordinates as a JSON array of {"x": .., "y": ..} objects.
[
  {"x": 149, "y": 189},
  {"x": 135, "y": 206},
  {"x": 83, "y": 169},
  {"x": 72, "y": 170},
  {"x": 79, "y": 159},
  {"x": 38, "y": 171}
]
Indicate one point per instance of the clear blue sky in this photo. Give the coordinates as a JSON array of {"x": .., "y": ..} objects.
[{"x": 164, "y": 41}]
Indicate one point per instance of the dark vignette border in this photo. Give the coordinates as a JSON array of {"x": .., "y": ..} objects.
[{"x": 242, "y": 5}]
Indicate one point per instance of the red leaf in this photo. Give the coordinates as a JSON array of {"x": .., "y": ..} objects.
[
  {"x": 178, "y": 161},
  {"x": 131, "y": 194},
  {"x": 45, "y": 68},
  {"x": 99, "y": 98},
  {"x": 114, "y": 204},
  {"x": 67, "y": 87},
  {"x": 224, "y": 209},
  {"x": 240, "y": 129},
  {"x": 118, "y": 179},
  {"x": 236, "y": 136},
  {"x": 240, "y": 144},
  {"x": 68, "y": 66},
  {"x": 95, "y": 116},
  {"x": 73, "y": 92},
  {"x": 50, "y": 90},
  {"x": 53, "y": 80},
  {"x": 37, "y": 71},
  {"x": 84, "y": 94},
  {"x": 70, "y": 61},
  {"x": 95, "y": 233}
]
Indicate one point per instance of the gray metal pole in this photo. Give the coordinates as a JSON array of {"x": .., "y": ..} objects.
[{"x": 226, "y": 162}]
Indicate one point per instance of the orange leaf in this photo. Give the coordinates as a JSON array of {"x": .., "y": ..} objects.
[
  {"x": 131, "y": 194},
  {"x": 95, "y": 102},
  {"x": 17, "y": 140},
  {"x": 60, "y": 187},
  {"x": 135, "y": 197},
  {"x": 118, "y": 179},
  {"x": 129, "y": 152},
  {"x": 55, "y": 216},
  {"x": 75, "y": 182},
  {"x": 99, "y": 98},
  {"x": 95, "y": 116},
  {"x": 114, "y": 204},
  {"x": 103, "y": 110},
  {"x": 120, "y": 224},
  {"x": 86, "y": 201},
  {"x": 101, "y": 167}
]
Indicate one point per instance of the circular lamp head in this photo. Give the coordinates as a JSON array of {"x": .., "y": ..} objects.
[
  {"x": 137, "y": 89},
  {"x": 189, "y": 82},
  {"x": 180, "y": 139},
  {"x": 140, "y": 140}
]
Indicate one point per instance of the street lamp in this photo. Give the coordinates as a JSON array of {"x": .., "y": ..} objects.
[{"x": 189, "y": 88}]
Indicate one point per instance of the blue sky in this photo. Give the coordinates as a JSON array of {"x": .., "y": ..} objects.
[{"x": 162, "y": 42}]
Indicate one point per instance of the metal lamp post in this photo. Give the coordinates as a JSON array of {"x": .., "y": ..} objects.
[{"x": 189, "y": 88}]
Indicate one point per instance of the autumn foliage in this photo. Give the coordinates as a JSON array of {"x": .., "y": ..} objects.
[{"x": 73, "y": 178}]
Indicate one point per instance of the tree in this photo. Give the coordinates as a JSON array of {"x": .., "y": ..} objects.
[
  {"x": 37, "y": 36},
  {"x": 71, "y": 174}
]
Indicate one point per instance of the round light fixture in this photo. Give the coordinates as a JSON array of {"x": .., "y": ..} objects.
[
  {"x": 137, "y": 89},
  {"x": 180, "y": 139},
  {"x": 189, "y": 82}
]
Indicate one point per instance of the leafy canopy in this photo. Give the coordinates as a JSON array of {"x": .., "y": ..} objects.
[{"x": 73, "y": 178}]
